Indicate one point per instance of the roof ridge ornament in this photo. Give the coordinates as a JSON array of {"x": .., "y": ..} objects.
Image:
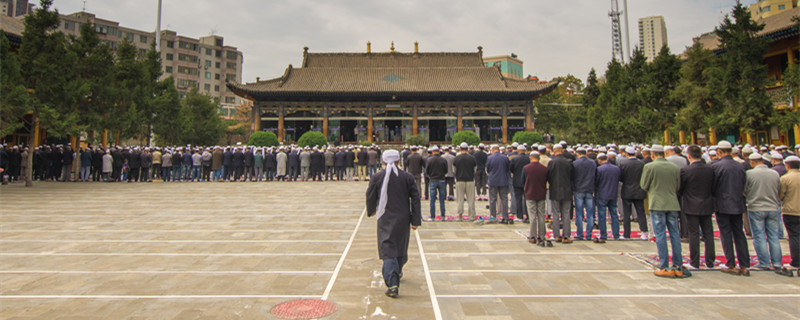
[{"x": 392, "y": 47}]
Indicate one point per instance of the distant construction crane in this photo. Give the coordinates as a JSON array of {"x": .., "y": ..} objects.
[{"x": 617, "y": 50}]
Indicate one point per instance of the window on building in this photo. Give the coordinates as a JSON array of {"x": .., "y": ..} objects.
[
  {"x": 208, "y": 75},
  {"x": 69, "y": 25},
  {"x": 230, "y": 77},
  {"x": 170, "y": 56},
  {"x": 168, "y": 69},
  {"x": 142, "y": 38},
  {"x": 207, "y": 87},
  {"x": 188, "y": 45},
  {"x": 208, "y": 51},
  {"x": 219, "y": 42},
  {"x": 208, "y": 64},
  {"x": 170, "y": 44},
  {"x": 217, "y": 65},
  {"x": 181, "y": 95},
  {"x": 187, "y": 58},
  {"x": 218, "y": 53},
  {"x": 231, "y": 54},
  {"x": 222, "y": 111},
  {"x": 189, "y": 71},
  {"x": 766, "y": 9},
  {"x": 230, "y": 100},
  {"x": 781, "y": 7},
  {"x": 187, "y": 84},
  {"x": 142, "y": 52},
  {"x": 216, "y": 88},
  {"x": 230, "y": 65},
  {"x": 216, "y": 76},
  {"x": 129, "y": 36}
]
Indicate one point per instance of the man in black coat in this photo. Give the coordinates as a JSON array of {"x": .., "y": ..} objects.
[
  {"x": 632, "y": 193},
  {"x": 134, "y": 163},
  {"x": 396, "y": 203},
  {"x": 67, "y": 158},
  {"x": 349, "y": 163},
  {"x": 363, "y": 156},
  {"x": 227, "y": 164},
  {"x": 480, "y": 172},
  {"x": 414, "y": 165},
  {"x": 294, "y": 164},
  {"x": 729, "y": 179},
  {"x": 248, "y": 164},
  {"x": 339, "y": 163},
  {"x": 270, "y": 165},
  {"x": 97, "y": 164},
  {"x": 238, "y": 164},
  {"x": 317, "y": 165},
  {"x": 517, "y": 166},
  {"x": 697, "y": 202},
  {"x": 559, "y": 176}
]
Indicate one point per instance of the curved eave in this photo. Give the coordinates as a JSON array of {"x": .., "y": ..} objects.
[{"x": 285, "y": 95}]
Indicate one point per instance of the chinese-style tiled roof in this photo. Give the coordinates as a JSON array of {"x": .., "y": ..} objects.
[
  {"x": 776, "y": 27},
  {"x": 391, "y": 76},
  {"x": 12, "y": 27}
]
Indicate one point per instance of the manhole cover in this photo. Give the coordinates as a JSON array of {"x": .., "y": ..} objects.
[{"x": 304, "y": 309}]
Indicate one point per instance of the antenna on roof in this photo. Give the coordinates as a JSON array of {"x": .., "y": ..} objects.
[
  {"x": 84, "y": 5},
  {"x": 214, "y": 31}
]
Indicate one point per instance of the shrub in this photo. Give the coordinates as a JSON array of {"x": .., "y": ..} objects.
[
  {"x": 263, "y": 139},
  {"x": 416, "y": 140},
  {"x": 527, "y": 137},
  {"x": 470, "y": 137},
  {"x": 312, "y": 138}
]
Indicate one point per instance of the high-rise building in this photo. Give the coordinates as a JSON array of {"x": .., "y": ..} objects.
[
  {"x": 510, "y": 65},
  {"x": 767, "y": 8},
  {"x": 203, "y": 64},
  {"x": 652, "y": 36}
]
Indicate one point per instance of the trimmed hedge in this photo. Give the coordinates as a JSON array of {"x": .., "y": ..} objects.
[
  {"x": 416, "y": 140},
  {"x": 527, "y": 137},
  {"x": 263, "y": 139},
  {"x": 312, "y": 138},
  {"x": 470, "y": 137}
]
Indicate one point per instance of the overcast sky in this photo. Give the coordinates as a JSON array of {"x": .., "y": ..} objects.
[{"x": 553, "y": 37}]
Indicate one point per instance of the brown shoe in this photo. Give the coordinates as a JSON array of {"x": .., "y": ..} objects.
[
  {"x": 532, "y": 240},
  {"x": 598, "y": 240},
  {"x": 558, "y": 239},
  {"x": 665, "y": 273},
  {"x": 731, "y": 271},
  {"x": 744, "y": 271},
  {"x": 566, "y": 241}
]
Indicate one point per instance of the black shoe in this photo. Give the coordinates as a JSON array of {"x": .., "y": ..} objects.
[
  {"x": 392, "y": 292},
  {"x": 549, "y": 244}
]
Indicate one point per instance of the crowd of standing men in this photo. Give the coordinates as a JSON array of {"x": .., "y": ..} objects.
[{"x": 745, "y": 188}]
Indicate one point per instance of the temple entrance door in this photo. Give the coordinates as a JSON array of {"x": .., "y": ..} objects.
[
  {"x": 393, "y": 132},
  {"x": 347, "y": 130},
  {"x": 301, "y": 127},
  {"x": 437, "y": 130},
  {"x": 482, "y": 129}
]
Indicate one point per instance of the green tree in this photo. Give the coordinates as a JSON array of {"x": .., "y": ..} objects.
[
  {"x": 470, "y": 137},
  {"x": 527, "y": 137},
  {"x": 169, "y": 123},
  {"x": 551, "y": 110},
  {"x": 92, "y": 86},
  {"x": 263, "y": 139},
  {"x": 660, "y": 80},
  {"x": 744, "y": 102},
  {"x": 203, "y": 124},
  {"x": 416, "y": 140},
  {"x": 125, "y": 117},
  {"x": 312, "y": 138},
  {"x": 693, "y": 92}
]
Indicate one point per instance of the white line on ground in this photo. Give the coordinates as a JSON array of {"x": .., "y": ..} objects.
[
  {"x": 344, "y": 255},
  {"x": 256, "y": 254},
  {"x": 427, "y": 230},
  {"x": 434, "y": 301},
  {"x": 553, "y": 253},
  {"x": 627, "y": 296},
  {"x": 168, "y": 231},
  {"x": 132, "y": 297},
  {"x": 170, "y": 241},
  {"x": 156, "y": 272},
  {"x": 472, "y": 240},
  {"x": 540, "y": 271}
]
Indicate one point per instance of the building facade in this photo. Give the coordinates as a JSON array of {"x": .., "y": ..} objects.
[
  {"x": 510, "y": 65},
  {"x": 15, "y": 8},
  {"x": 390, "y": 96},
  {"x": 652, "y": 36},
  {"x": 766, "y": 8},
  {"x": 204, "y": 64}
]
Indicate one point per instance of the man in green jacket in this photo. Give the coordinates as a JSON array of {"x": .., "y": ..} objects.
[{"x": 661, "y": 180}]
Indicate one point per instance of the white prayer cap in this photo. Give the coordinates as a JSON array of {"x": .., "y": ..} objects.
[
  {"x": 494, "y": 146},
  {"x": 670, "y": 148},
  {"x": 562, "y": 142},
  {"x": 390, "y": 156},
  {"x": 791, "y": 159},
  {"x": 724, "y": 144},
  {"x": 747, "y": 149},
  {"x": 712, "y": 152},
  {"x": 464, "y": 145},
  {"x": 602, "y": 155},
  {"x": 776, "y": 155},
  {"x": 612, "y": 153},
  {"x": 735, "y": 150},
  {"x": 755, "y": 156},
  {"x": 581, "y": 149},
  {"x": 659, "y": 148},
  {"x": 603, "y": 149},
  {"x": 630, "y": 150},
  {"x": 767, "y": 157},
  {"x": 481, "y": 145},
  {"x": 522, "y": 148},
  {"x": 434, "y": 148},
  {"x": 515, "y": 144},
  {"x": 558, "y": 146}
]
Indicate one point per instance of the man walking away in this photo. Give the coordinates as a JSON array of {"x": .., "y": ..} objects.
[
  {"x": 393, "y": 196},
  {"x": 697, "y": 202},
  {"x": 480, "y": 172}
]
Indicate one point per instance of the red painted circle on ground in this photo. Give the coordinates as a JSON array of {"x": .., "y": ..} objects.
[{"x": 304, "y": 309}]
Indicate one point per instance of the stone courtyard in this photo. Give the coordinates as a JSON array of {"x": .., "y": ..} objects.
[{"x": 236, "y": 250}]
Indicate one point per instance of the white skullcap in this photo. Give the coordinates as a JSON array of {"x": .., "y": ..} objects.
[
  {"x": 776, "y": 155},
  {"x": 464, "y": 145},
  {"x": 791, "y": 159},
  {"x": 630, "y": 150},
  {"x": 602, "y": 155},
  {"x": 657, "y": 148},
  {"x": 515, "y": 144},
  {"x": 434, "y": 148},
  {"x": 724, "y": 144},
  {"x": 612, "y": 153},
  {"x": 522, "y": 148},
  {"x": 390, "y": 156},
  {"x": 755, "y": 156},
  {"x": 534, "y": 153},
  {"x": 712, "y": 152}
]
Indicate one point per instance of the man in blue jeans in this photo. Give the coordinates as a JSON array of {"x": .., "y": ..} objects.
[
  {"x": 607, "y": 182},
  {"x": 436, "y": 169},
  {"x": 661, "y": 180},
  {"x": 583, "y": 182},
  {"x": 761, "y": 192}
]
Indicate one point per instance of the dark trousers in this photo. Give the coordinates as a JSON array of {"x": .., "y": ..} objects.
[
  {"x": 451, "y": 182},
  {"x": 792, "y": 224},
  {"x": 156, "y": 170},
  {"x": 682, "y": 224},
  {"x": 238, "y": 172},
  {"x": 206, "y": 173},
  {"x": 116, "y": 172},
  {"x": 731, "y": 234},
  {"x": 392, "y": 268},
  {"x": 427, "y": 187},
  {"x": 226, "y": 172},
  {"x": 144, "y": 174},
  {"x": 97, "y": 173},
  {"x": 248, "y": 173},
  {"x": 638, "y": 205},
  {"x": 339, "y": 173},
  {"x": 329, "y": 173},
  {"x": 133, "y": 175},
  {"x": 480, "y": 182},
  {"x": 696, "y": 224},
  {"x": 316, "y": 174},
  {"x": 519, "y": 199}
]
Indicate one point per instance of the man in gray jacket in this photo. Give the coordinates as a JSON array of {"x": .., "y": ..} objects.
[
  {"x": 305, "y": 163},
  {"x": 450, "y": 177},
  {"x": 763, "y": 208}
]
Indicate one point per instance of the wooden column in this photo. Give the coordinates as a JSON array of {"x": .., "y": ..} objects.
[
  {"x": 256, "y": 119},
  {"x": 104, "y": 139},
  {"x": 369, "y": 124},
  {"x": 682, "y": 136},
  {"x": 36, "y": 136},
  {"x": 280, "y": 124},
  {"x": 505, "y": 128},
  {"x": 667, "y": 138},
  {"x": 751, "y": 139},
  {"x": 712, "y": 136},
  {"x": 694, "y": 137},
  {"x": 325, "y": 121},
  {"x": 529, "y": 125},
  {"x": 459, "y": 121},
  {"x": 414, "y": 122}
]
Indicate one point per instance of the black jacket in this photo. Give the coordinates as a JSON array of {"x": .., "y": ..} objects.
[
  {"x": 729, "y": 179},
  {"x": 436, "y": 167},
  {"x": 465, "y": 167},
  {"x": 697, "y": 189},
  {"x": 238, "y": 159},
  {"x": 349, "y": 158},
  {"x": 630, "y": 172},
  {"x": 363, "y": 156},
  {"x": 248, "y": 159},
  {"x": 559, "y": 175},
  {"x": 270, "y": 163},
  {"x": 317, "y": 161},
  {"x": 414, "y": 164},
  {"x": 517, "y": 168},
  {"x": 480, "y": 159}
]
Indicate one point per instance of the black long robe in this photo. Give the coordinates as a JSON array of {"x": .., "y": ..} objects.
[{"x": 402, "y": 211}]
